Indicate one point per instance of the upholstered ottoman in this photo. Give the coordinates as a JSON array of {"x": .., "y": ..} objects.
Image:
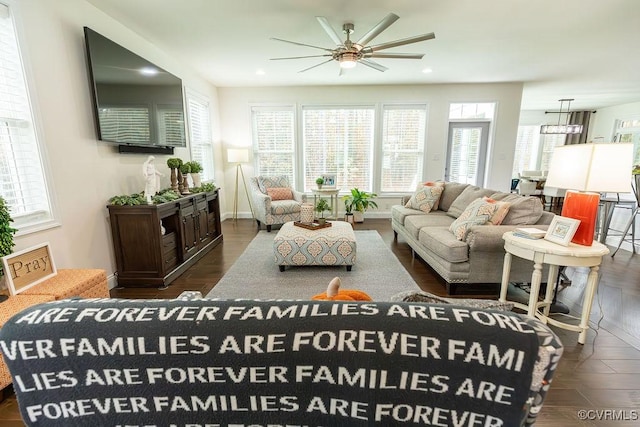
[
  {"x": 14, "y": 305},
  {"x": 335, "y": 245},
  {"x": 83, "y": 283}
]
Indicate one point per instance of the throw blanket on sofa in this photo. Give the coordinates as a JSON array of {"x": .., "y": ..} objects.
[{"x": 234, "y": 363}]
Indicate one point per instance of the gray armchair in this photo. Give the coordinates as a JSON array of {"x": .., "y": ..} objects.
[{"x": 283, "y": 205}]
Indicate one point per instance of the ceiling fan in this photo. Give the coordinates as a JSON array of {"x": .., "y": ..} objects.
[{"x": 348, "y": 53}]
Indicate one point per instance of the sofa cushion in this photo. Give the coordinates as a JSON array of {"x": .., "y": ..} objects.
[
  {"x": 414, "y": 223},
  {"x": 399, "y": 213},
  {"x": 283, "y": 207},
  {"x": 467, "y": 196},
  {"x": 280, "y": 193},
  {"x": 265, "y": 182},
  {"x": 441, "y": 242},
  {"x": 451, "y": 192},
  {"x": 477, "y": 213},
  {"x": 425, "y": 198},
  {"x": 523, "y": 210}
]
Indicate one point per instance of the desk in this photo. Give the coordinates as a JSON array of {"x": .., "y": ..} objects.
[
  {"x": 542, "y": 251},
  {"x": 332, "y": 194}
]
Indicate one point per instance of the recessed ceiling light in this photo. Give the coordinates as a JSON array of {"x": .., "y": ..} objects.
[
  {"x": 427, "y": 70},
  {"x": 260, "y": 72}
]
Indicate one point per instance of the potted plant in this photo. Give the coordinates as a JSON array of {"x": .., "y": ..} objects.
[
  {"x": 6, "y": 236},
  {"x": 321, "y": 207},
  {"x": 348, "y": 209},
  {"x": 319, "y": 182},
  {"x": 196, "y": 168},
  {"x": 359, "y": 202}
]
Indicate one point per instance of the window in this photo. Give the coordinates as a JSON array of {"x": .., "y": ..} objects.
[
  {"x": 629, "y": 131},
  {"x": 340, "y": 141},
  {"x": 200, "y": 135},
  {"x": 403, "y": 138},
  {"x": 533, "y": 151},
  {"x": 472, "y": 111},
  {"x": 273, "y": 141},
  {"x": 22, "y": 178},
  {"x": 127, "y": 124}
]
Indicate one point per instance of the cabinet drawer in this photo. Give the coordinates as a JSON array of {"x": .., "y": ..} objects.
[{"x": 168, "y": 242}]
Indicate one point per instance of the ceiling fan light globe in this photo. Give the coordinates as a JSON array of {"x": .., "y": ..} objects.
[
  {"x": 348, "y": 60},
  {"x": 347, "y": 63}
]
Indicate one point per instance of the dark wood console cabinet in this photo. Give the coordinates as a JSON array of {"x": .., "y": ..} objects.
[{"x": 145, "y": 256}]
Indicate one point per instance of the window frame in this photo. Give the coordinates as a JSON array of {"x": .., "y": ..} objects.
[
  {"x": 295, "y": 152},
  {"x": 208, "y": 168},
  {"x": 52, "y": 216}
]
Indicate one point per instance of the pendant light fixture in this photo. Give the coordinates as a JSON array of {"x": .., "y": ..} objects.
[{"x": 565, "y": 128}]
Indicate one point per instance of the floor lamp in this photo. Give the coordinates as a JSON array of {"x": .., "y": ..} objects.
[{"x": 239, "y": 156}]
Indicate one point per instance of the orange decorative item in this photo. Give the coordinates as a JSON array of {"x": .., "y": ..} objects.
[
  {"x": 335, "y": 294},
  {"x": 583, "y": 207}
]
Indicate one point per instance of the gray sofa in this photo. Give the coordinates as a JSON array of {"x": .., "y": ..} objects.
[{"x": 477, "y": 258}]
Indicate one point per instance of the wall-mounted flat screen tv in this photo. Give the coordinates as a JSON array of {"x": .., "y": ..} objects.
[{"x": 136, "y": 102}]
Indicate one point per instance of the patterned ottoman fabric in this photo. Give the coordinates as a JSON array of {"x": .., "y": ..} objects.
[
  {"x": 335, "y": 245},
  {"x": 83, "y": 283},
  {"x": 13, "y": 305}
]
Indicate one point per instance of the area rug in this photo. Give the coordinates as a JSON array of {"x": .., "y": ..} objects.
[{"x": 255, "y": 275}]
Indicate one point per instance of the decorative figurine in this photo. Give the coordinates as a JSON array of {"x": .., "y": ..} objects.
[{"x": 152, "y": 179}]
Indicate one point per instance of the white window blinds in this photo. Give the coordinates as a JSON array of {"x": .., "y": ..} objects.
[
  {"x": 403, "y": 138},
  {"x": 22, "y": 180},
  {"x": 200, "y": 134},
  {"x": 273, "y": 141},
  {"x": 125, "y": 124},
  {"x": 340, "y": 141}
]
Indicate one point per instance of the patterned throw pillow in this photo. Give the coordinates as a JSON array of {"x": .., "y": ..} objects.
[
  {"x": 435, "y": 184},
  {"x": 477, "y": 213},
  {"x": 503, "y": 209},
  {"x": 280, "y": 193},
  {"x": 265, "y": 182},
  {"x": 425, "y": 198}
]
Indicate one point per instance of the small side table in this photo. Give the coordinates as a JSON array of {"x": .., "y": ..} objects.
[
  {"x": 332, "y": 194},
  {"x": 542, "y": 251}
]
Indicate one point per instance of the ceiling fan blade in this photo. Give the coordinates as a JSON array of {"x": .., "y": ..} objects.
[
  {"x": 401, "y": 42},
  {"x": 378, "y": 28},
  {"x": 395, "y": 55},
  {"x": 329, "y": 30},
  {"x": 317, "y": 65},
  {"x": 298, "y": 57},
  {"x": 302, "y": 44},
  {"x": 373, "y": 65}
]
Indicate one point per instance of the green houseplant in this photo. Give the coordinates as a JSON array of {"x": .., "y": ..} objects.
[
  {"x": 319, "y": 182},
  {"x": 195, "y": 169},
  {"x": 6, "y": 235},
  {"x": 321, "y": 207},
  {"x": 358, "y": 202}
]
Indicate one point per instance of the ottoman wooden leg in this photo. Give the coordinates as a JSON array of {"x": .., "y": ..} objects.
[
  {"x": 281, "y": 267},
  {"x": 349, "y": 267}
]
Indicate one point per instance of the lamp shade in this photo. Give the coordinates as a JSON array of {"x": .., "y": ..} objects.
[
  {"x": 590, "y": 169},
  {"x": 238, "y": 155},
  {"x": 601, "y": 168}
]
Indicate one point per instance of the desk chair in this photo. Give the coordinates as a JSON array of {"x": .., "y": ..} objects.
[{"x": 631, "y": 224}]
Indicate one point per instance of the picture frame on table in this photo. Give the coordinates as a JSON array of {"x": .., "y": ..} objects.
[
  {"x": 330, "y": 181},
  {"x": 561, "y": 230},
  {"x": 26, "y": 268}
]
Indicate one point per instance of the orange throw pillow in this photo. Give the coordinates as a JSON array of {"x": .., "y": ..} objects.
[{"x": 280, "y": 193}]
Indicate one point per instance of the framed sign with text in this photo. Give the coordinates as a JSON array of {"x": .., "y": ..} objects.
[{"x": 28, "y": 267}]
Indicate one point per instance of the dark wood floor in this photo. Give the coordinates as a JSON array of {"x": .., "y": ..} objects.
[{"x": 603, "y": 374}]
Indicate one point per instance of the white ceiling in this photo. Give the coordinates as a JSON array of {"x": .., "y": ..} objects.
[{"x": 583, "y": 49}]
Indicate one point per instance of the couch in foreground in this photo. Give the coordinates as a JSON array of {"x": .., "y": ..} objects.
[
  {"x": 313, "y": 363},
  {"x": 476, "y": 254}
]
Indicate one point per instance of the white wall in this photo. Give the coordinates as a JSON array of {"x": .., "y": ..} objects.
[
  {"x": 235, "y": 118},
  {"x": 85, "y": 172}
]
